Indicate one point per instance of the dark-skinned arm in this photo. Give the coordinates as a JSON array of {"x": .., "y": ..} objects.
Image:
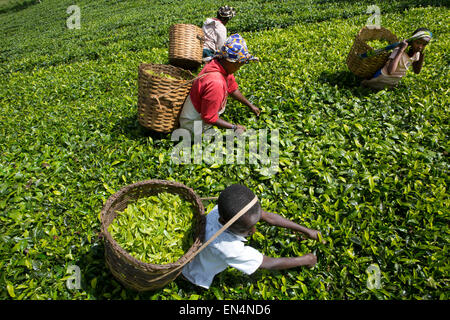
[
  {"x": 226, "y": 125},
  {"x": 279, "y": 221},
  {"x": 270, "y": 263},
  {"x": 237, "y": 95},
  {"x": 393, "y": 63},
  {"x": 417, "y": 66}
]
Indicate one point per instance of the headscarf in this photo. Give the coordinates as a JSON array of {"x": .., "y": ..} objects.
[
  {"x": 226, "y": 12},
  {"x": 424, "y": 35},
  {"x": 235, "y": 50}
]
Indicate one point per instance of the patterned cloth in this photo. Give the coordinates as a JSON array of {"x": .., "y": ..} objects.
[
  {"x": 425, "y": 35},
  {"x": 226, "y": 12},
  {"x": 235, "y": 50}
]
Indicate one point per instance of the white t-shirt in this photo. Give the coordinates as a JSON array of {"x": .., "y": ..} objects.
[
  {"x": 227, "y": 249},
  {"x": 215, "y": 34}
]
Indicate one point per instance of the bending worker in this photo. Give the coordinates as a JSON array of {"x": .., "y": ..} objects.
[
  {"x": 216, "y": 32},
  {"x": 208, "y": 96}
]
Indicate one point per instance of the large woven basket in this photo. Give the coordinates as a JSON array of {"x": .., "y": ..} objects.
[
  {"x": 130, "y": 271},
  {"x": 366, "y": 68},
  {"x": 186, "y": 46},
  {"x": 160, "y": 99}
]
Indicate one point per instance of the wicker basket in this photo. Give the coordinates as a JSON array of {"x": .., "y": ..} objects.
[
  {"x": 185, "y": 46},
  {"x": 128, "y": 270},
  {"x": 366, "y": 68},
  {"x": 160, "y": 99}
]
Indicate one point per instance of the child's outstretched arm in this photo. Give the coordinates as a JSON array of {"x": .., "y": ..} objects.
[
  {"x": 279, "y": 221},
  {"x": 270, "y": 263}
]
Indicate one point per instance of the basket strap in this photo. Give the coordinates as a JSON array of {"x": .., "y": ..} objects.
[
  {"x": 156, "y": 97},
  {"x": 224, "y": 227}
]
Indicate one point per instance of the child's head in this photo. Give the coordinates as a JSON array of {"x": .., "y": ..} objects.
[
  {"x": 231, "y": 201},
  {"x": 423, "y": 37},
  {"x": 225, "y": 14}
]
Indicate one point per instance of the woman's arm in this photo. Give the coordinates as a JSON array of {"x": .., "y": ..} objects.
[
  {"x": 417, "y": 65},
  {"x": 237, "y": 95},
  {"x": 226, "y": 125},
  {"x": 223, "y": 124},
  {"x": 393, "y": 63}
]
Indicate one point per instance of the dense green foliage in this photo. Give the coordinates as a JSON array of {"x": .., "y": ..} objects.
[
  {"x": 369, "y": 170},
  {"x": 15, "y": 5}
]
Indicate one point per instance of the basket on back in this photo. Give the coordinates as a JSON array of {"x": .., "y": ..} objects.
[
  {"x": 162, "y": 90},
  {"x": 366, "y": 68},
  {"x": 185, "y": 46},
  {"x": 130, "y": 271}
]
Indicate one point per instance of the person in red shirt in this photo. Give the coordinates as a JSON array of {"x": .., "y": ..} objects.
[{"x": 208, "y": 96}]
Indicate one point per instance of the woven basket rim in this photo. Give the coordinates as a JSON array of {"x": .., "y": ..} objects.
[
  {"x": 365, "y": 68},
  {"x": 143, "y": 265},
  {"x": 380, "y": 29},
  {"x": 181, "y": 25},
  {"x": 381, "y": 32},
  {"x": 171, "y": 70}
]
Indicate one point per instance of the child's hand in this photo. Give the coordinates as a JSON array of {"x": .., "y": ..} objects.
[
  {"x": 311, "y": 259},
  {"x": 315, "y": 235}
]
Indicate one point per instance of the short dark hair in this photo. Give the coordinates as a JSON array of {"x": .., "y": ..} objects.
[{"x": 232, "y": 200}]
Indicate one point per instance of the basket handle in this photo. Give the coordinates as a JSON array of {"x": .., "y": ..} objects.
[{"x": 224, "y": 227}]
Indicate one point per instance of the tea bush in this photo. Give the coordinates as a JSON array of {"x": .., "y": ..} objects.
[{"x": 370, "y": 170}]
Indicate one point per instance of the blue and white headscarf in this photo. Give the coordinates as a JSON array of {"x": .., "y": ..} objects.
[
  {"x": 424, "y": 35},
  {"x": 235, "y": 50}
]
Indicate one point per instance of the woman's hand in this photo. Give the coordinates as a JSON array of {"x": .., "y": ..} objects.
[
  {"x": 403, "y": 45},
  {"x": 417, "y": 66},
  {"x": 255, "y": 110},
  {"x": 237, "y": 95},
  {"x": 239, "y": 129}
]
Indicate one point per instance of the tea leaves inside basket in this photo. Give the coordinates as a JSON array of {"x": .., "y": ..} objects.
[{"x": 156, "y": 229}]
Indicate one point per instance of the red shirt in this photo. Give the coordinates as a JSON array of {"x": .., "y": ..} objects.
[{"x": 209, "y": 93}]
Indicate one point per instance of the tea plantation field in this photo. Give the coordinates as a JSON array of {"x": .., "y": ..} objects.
[{"x": 370, "y": 170}]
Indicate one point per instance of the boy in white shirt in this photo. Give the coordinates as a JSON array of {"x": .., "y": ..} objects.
[
  {"x": 399, "y": 61},
  {"x": 216, "y": 32},
  {"x": 228, "y": 249}
]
